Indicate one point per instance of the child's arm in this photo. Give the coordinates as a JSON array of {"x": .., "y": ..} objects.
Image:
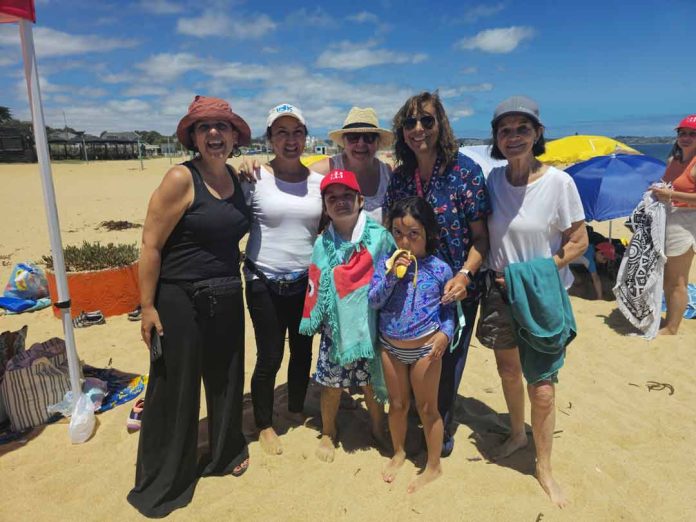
[{"x": 381, "y": 286}]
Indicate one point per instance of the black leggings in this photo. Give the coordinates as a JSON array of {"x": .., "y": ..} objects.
[
  {"x": 203, "y": 337},
  {"x": 272, "y": 315}
]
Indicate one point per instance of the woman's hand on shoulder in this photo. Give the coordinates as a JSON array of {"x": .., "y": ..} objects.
[{"x": 248, "y": 171}]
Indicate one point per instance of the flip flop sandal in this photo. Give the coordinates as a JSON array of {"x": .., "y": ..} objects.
[
  {"x": 136, "y": 314},
  {"x": 241, "y": 468},
  {"x": 135, "y": 416},
  {"x": 86, "y": 319}
]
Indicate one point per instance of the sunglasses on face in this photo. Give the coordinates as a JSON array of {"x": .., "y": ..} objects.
[
  {"x": 682, "y": 133},
  {"x": 354, "y": 137},
  {"x": 427, "y": 122}
]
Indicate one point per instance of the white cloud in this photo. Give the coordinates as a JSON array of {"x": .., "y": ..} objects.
[
  {"x": 351, "y": 56},
  {"x": 145, "y": 90},
  {"x": 464, "y": 112},
  {"x": 501, "y": 40},
  {"x": 165, "y": 67},
  {"x": 316, "y": 17},
  {"x": 482, "y": 11},
  {"x": 50, "y": 42},
  {"x": 453, "y": 92},
  {"x": 364, "y": 17},
  {"x": 470, "y": 70},
  {"x": 161, "y": 6},
  {"x": 212, "y": 23}
]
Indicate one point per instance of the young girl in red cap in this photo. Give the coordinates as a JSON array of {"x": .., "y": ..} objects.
[{"x": 343, "y": 261}]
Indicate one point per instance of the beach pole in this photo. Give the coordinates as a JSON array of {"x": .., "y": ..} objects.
[
  {"x": 31, "y": 73},
  {"x": 140, "y": 154}
]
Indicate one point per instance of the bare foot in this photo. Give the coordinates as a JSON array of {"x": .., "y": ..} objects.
[
  {"x": 553, "y": 490},
  {"x": 270, "y": 442},
  {"x": 666, "y": 331},
  {"x": 326, "y": 450},
  {"x": 510, "y": 446},
  {"x": 427, "y": 476},
  {"x": 393, "y": 466}
]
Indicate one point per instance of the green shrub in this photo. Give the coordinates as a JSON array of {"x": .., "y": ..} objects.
[{"x": 95, "y": 256}]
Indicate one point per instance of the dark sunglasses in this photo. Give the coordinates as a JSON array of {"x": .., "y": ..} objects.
[
  {"x": 427, "y": 122},
  {"x": 368, "y": 137},
  {"x": 683, "y": 133}
]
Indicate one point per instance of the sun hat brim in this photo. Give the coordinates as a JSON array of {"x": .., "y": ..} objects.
[
  {"x": 212, "y": 113},
  {"x": 386, "y": 137}
]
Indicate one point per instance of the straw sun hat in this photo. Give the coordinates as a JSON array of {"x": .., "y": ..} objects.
[{"x": 362, "y": 120}]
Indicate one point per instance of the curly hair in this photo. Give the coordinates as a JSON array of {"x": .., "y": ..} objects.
[{"x": 446, "y": 143}]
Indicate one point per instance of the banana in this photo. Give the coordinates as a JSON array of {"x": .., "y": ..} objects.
[{"x": 400, "y": 270}]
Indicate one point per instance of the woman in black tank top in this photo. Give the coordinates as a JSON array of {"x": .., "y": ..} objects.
[{"x": 192, "y": 301}]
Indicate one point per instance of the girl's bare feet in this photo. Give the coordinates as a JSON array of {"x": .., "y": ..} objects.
[
  {"x": 549, "y": 484},
  {"x": 326, "y": 450},
  {"x": 393, "y": 466},
  {"x": 270, "y": 442},
  {"x": 427, "y": 476}
]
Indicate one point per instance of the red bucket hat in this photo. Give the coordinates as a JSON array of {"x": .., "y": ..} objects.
[
  {"x": 340, "y": 177},
  {"x": 208, "y": 108},
  {"x": 687, "y": 123},
  {"x": 606, "y": 249}
]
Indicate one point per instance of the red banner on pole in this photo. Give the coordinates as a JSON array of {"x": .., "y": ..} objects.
[{"x": 13, "y": 10}]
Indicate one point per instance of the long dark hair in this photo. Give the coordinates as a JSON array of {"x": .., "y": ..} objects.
[
  {"x": 420, "y": 210},
  {"x": 446, "y": 142},
  {"x": 676, "y": 153}
]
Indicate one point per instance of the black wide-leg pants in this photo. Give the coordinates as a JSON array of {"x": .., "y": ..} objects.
[
  {"x": 203, "y": 337},
  {"x": 272, "y": 316}
]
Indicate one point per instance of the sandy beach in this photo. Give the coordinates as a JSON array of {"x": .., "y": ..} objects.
[{"x": 621, "y": 452}]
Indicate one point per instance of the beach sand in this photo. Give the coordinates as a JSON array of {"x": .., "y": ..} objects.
[{"x": 621, "y": 452}]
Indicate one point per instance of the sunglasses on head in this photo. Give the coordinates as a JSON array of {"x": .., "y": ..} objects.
[
  {"x": 367, "y": 137},
  {"x": 427, "y": 122}
]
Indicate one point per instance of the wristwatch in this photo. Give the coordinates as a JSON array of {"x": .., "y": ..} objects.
[{"x": 467, "y": 273}]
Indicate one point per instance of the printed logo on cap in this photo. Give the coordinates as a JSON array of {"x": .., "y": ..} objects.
[
  {"x": 337, "y": 174},
  {"x": 284, "y": 108}
]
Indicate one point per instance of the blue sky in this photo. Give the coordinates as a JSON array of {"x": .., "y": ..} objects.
[{"x": 595, "y": 66}]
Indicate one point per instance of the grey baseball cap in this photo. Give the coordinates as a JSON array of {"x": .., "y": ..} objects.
[{"x": 517, "y": 105}]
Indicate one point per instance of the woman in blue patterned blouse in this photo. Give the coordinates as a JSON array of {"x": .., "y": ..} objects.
[{"x": 428, "y": 165}]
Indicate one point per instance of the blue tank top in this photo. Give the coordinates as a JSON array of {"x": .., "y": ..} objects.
[{"x": 205, "y": 242}]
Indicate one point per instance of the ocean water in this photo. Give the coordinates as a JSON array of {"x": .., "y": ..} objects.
[{"x": 656, "y": 150}]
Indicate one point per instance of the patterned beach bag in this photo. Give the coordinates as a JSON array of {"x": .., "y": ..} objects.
[{"x": 33, "y": 380}]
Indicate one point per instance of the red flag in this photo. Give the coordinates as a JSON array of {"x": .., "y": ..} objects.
[{"x": 13, "y": 10}]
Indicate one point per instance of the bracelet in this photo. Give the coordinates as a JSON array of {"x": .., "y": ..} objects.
[{"x": 467, "y": 273}]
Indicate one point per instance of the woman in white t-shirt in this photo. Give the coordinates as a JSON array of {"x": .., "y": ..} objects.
[
  {"x": 536, "y": 213},
  {"x": 286, "y": 208},
  {"x": 360, "y": 138}
]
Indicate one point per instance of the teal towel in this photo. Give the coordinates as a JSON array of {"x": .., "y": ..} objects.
[{"x": 542, "y": 317}]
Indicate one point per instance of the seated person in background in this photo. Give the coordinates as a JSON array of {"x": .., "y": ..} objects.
[{"x": 601, "y": 253}]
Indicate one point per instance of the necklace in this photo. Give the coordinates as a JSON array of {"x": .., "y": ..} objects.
[{"x": 419, "y": 183}]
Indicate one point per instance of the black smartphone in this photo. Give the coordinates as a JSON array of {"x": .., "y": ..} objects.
[{"x": 155, "y": 345}]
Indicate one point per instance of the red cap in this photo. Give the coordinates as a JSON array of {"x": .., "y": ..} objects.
[
  {"x": 340, "y": 177},
  {"x": 688, "y": 123},
  {"x": 606, "y": 249}
]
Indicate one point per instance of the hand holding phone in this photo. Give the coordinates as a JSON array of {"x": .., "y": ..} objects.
[{"x": 155, "y": 345}]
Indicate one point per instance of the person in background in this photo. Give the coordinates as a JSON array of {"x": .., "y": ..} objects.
[
  {"x": 428, "y": 165},
  {"x": 537, "y": 215},
  {"x": 680, "y": 235},
  {"x": 191, "y": 298},
  {"x": 286, "y": 208}
]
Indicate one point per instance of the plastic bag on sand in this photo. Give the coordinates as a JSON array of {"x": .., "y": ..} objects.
[{"x": 82, "y": 420}]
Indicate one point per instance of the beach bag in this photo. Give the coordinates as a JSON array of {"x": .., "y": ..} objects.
[
  {"x": 11, "y": 343},
  {"x": 27, "y": 281},
  {"x": 35, "y": 379}
]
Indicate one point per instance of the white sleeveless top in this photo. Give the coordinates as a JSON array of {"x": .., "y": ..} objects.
[
  {"x": 284, "y": 221},
  {"x": 373, "y": 204}
]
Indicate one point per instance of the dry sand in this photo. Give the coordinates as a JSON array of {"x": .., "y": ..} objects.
[{"x": 621, "y": 452}]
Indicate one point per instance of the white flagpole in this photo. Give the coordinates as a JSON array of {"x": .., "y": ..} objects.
[{"x": 31, "y": 73}]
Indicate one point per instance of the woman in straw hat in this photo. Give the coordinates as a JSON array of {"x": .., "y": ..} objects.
[
  {"x": 360, "y": 138},
  {"x": 192, "y": 305},
  {"x": 680, "y": 237},
  {"x": 428, "y": 166},
  {"x": 286, "y": 208}
]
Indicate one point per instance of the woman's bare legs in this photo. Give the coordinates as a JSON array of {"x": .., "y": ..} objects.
[
  {"x": 510, "y": 371},
  {"x": 676, "y": 280}
]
